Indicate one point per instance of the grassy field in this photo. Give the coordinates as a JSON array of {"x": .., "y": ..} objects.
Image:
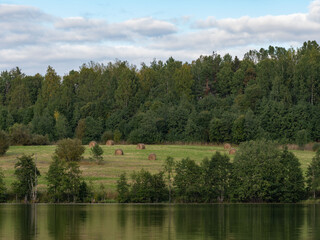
[{"x": 132, "y": 160}]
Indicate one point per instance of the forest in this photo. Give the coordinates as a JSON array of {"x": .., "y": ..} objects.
[{"x": 271, "y": 94}]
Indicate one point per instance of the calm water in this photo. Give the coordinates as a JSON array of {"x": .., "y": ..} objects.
[{"x": 238, "y": 221}]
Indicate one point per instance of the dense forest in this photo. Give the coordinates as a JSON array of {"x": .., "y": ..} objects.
[{"x": 272, "y": 94}]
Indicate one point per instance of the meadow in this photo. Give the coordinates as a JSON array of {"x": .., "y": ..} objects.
[{"x": 132, "y": 160}]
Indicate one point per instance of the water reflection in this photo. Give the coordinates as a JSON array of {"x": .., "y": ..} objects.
[
  {"x": 25, "y": 217},
  {"x": 64, "y": 222},
  {"x": 237, "y": 221}
]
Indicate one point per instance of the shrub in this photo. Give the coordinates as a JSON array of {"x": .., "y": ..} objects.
[
  {"x": 313, "y": 175},
  {"x": 316, "y": 147},
  {"x": 302, "y": 138},
  {"x": 20, "y": 135},
  {"x": 147, "y": 187},
  {"x": 26, "y": 173},
  {"x": 256, "y": 172},
  {"x": 2, "y": 188},
  {"x": 70, "y": 150},
  {"x": 186, "y": 181},
  {"x": 39, "y": 140},
  {"x": 117, "y": 136},
  {"x": 123, "y": 189},
  {"x": 93, "y": 129},
  {"x": 107, "y": 135},
  {"x": 262, "y": 173},
  {"x": 96, "y": 152},
  {"x": 4, "y": 143},
  {"x": 85, "y": 192}
]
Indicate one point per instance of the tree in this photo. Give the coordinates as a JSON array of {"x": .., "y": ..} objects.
[
  {"x": 313, "y": 174},
  {"x": 96, "y": 152},
  {"x": 55, "y": 178},
  {"x": 72, "y": 181},
  {"x": 4, "y": 143},
  {"x": 123, "y": 189},
  {"x": 44, "y": 124},
  {"x": 49, "y": 88},
  {"x": 169, "y": 168},
  {"x": 27, "y": 174},
  {"x": 293, "y": 189},
  {"x": 127, "y": 85},
  {"x": 186, "y": 181},
  {"x": 3, "y": 189},
  {"x": 183, "y": 80},
  {"x": 80, "y": 129},
  {"x": 20, "y": 134},
  {"x": 238, "y": 130},
  {"x": 147, "y": 187},
  {"x": 93, "y": 129},
  {"x": 302, "y": 138},
  {"x": 215, "y": 133},
  {"x": 117, "y": 135},
  {"x": 69, "y": 150},
  {"x": 61, "y": 126},
  {"x": 257, "y": 172},
  {"x": 216, "y": 177}
]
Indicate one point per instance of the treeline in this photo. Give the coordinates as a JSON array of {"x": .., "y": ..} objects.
[
  {"x": 64, "y": 181},
  {"x": 260, "y": 173},
  {"x": 272, "y": 93}
]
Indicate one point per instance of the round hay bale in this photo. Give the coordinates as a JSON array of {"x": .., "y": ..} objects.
[
  {"x": 110, "y": 143},
  {"x": 227, "y": 146},
  {"x": 152, "y": 156},
  {"x": 141, "y": 146},
  {"x": 118, "y": 152},
  {"x": 92, "y": 144},
  {"x": 232, "y": 151}
]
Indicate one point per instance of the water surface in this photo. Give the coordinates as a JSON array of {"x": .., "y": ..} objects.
[{"x": 113, "y": 221}]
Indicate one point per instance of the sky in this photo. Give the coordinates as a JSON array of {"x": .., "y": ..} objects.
[{"x": 66, "y": 34}]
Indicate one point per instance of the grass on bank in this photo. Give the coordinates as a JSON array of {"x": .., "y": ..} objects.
[{"x": 132, "y": 160}]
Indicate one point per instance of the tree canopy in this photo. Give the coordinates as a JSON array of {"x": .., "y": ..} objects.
[{"x": 272, "y": 93}]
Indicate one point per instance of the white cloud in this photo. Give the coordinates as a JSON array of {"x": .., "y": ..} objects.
[
  {"x": 17, "y": 13},
  {"x": 314, "y": 11},
  {"x": 32, "y": 39}
]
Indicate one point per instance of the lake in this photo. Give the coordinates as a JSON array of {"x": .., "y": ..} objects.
[{"x": 116, "y": 221}]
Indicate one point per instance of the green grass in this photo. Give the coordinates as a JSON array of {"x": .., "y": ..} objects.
[{"x": 132, "y": 160}]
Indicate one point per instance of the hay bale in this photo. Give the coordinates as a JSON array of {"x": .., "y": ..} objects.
[
  {"x": 118, "y": 152},
  {"x": 141, "y": 146},
  {"x": 92, "y": 144},
  {"x": 152, "y": 156},
  {"x": 110, "y": 143},
  {"x": 227, "y": 146},
  {"x": 232, "y": 151}
]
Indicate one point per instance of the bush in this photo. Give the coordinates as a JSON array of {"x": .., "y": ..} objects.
[
  {"x": 256, "y": 172},
  {"x": 85, "y": 192},
  {"x": 93, "y": 129},
  {"x": 39, "y": 140},
  {"x": 316, "y": 147},
  {"x": 70, "y": 150},
  {"x": 148, "y": 188},
  {"x": 117, "y": 136},
  {"x": 96, "y": 152},
  {"x": 2, "y": 188},
  {"x": 302, "y": 138},
  {"x": 4, "y": 143},
  {"x": 262, "y": 173},
  {"x": 26, "y": 173},
  {"x": 123, "y": 189},
  {"x": 20, "y": 135},
  {"x": 186, "y": 181},
  {"x": 107, "y": 135}
]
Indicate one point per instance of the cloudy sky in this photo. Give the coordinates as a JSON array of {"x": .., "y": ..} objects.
[{"x": 67, "y": 33}]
